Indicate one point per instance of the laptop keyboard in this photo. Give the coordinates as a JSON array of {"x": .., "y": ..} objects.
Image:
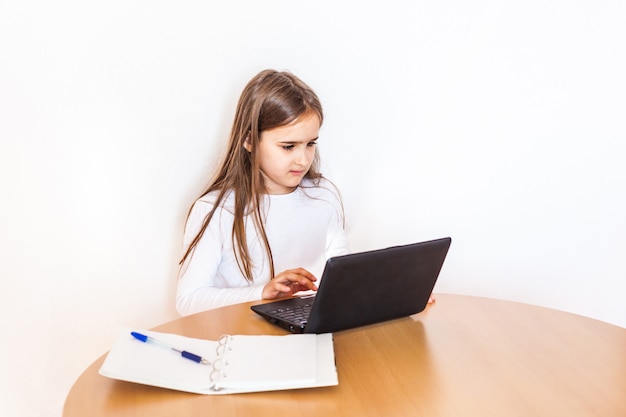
[{"x": 296, "y": 314}]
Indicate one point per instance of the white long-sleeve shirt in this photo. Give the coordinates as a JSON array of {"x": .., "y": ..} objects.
[{"x": 304, "y": 228}]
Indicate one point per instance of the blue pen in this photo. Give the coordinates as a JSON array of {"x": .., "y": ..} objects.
[{"x": 183, "y": 353}]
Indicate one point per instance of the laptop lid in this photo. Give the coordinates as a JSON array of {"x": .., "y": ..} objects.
[{"x": 369, "y": 287}]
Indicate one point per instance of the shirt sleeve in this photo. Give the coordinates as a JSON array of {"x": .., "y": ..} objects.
[
  {"x": 336, "y": 238},
  {"x": 337, "y": 243},
  {"x": 196, "y": 289}
]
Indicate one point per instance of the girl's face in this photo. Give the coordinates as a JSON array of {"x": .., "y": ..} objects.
[{"x": 286, "y": 153}]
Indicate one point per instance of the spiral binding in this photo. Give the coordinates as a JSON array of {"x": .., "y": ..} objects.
[{"x": 219, "y": 364}]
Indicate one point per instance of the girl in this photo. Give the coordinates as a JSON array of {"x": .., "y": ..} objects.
[{"x": 268, "y": 221}]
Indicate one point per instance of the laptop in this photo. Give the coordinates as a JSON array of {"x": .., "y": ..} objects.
[{"x": 363, "y": 288}]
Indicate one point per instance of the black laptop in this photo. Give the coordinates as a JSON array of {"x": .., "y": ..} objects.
[{"x": 364, "y": 288}]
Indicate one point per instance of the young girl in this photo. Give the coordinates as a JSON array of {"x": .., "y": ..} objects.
[{"x": 268, "y": 221}]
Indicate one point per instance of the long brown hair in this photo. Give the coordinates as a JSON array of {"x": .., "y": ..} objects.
[{"x": 270, "y": 99}]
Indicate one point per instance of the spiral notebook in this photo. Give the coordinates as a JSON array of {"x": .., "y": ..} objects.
[{"x": 235, "y": 363}]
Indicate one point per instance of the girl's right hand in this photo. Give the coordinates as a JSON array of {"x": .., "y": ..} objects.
[{"x": 288, "y": 283}]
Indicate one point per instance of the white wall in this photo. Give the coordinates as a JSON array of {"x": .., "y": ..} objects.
[{"x": 499, "y": 123}]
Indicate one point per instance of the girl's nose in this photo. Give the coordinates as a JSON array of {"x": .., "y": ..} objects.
[{"x": 302, "y": 157}]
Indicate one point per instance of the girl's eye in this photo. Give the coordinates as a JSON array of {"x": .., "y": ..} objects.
[{"x": 293, "y": 146}]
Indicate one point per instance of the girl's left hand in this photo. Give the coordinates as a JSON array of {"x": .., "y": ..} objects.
[{"x": 288, "y": 283}]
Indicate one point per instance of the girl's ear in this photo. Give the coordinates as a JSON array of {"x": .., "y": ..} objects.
[{"x": 247, "y": 144}]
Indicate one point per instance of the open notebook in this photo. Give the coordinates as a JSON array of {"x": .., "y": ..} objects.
[{"x": 236, "y": 364}]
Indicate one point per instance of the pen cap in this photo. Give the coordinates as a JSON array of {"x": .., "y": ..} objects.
[{"x": 139, "y": 336}]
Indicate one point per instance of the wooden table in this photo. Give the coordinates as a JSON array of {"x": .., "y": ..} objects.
[{"x": 464, "y": 356}]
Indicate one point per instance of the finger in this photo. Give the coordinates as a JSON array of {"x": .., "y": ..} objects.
[
  {"x": 294, "y": 287},
  {"x": 306, "y": 285},
  {"x": 306, "y": 279},
  {"x": 299, "y": 283},
  {"x": 304, "y": 273},
  {"x": 300, "y": 275}
]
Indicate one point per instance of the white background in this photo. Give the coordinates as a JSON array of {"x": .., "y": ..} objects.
[{"x": 498, "y": 123}]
